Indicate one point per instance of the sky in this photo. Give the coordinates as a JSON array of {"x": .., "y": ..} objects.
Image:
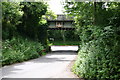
[{"x": 56, "y": 6}]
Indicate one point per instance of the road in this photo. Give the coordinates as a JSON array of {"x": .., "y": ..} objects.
[{"x": 56, "y": 64}]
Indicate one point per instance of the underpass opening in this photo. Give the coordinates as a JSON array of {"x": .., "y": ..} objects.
[{"x": 62, "y": 34}]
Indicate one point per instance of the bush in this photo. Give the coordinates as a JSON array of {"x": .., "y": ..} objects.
[
  {"x": 19, "y": 49},
  {"x": 98, "y": 57}
]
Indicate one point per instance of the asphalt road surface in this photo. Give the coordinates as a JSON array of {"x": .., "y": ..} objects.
[{"x": 56, "y": 64}]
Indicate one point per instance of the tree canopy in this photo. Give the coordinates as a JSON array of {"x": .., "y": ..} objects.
[{"x": 98, "y": 27}]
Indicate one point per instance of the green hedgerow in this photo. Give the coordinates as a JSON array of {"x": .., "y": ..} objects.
[{"x": 98, "y": 58}]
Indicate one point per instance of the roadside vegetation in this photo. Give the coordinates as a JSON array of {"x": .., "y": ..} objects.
[
  {"x": 98, "y": 27},
  {"x": 19, "y": 50},
  {"x": 97, "y": 32},
  {"x": 24, "y": 31}
]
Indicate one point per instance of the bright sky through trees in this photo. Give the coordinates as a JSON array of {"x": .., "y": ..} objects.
[{"x": 56, "y": 6}]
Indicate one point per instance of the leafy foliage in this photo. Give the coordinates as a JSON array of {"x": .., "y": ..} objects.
[
  {"x": 57, "y": 35},
  {"x": 11, "y": 14},
  {"x": 98, "y": 27},
  {"x": 99, "y": 57},
  {"x": 30, "y": 25},
  {"x": 20, "y": 49},
  {"x": 23, "y": 19}
]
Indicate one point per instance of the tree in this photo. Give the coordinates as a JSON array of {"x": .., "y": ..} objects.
[
  {"x": 32, "y": 15},
  {"x": 98, "y": 27},
  {"x": 11, "y": 14}
]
